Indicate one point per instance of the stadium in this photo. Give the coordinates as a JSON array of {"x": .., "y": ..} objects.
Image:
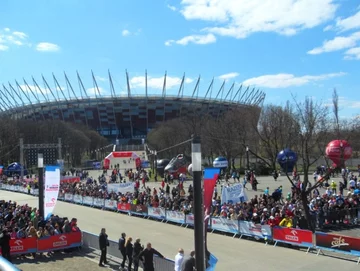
[{"x": 124, "y": 115}]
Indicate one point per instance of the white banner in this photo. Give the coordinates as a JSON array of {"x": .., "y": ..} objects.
[
  {"x": 122, "y": 188},
  {"x": 233, "y": 194},
  {"x": 224, "y": 225},
  {"x": 88, "y": 200},
  {"x": 176, "y": 217},
  {"x": 99, "y": 202},
  {"x": 78, "y": 199},
  {"x": 68, "y": 197},
  {"x": 158, "y": 213},
  {"x": 189, "y": 219},
  {"x": 52, "y": 185},
  {"x": 257, "y": 230},
  {"x": 110, "y": 204}
]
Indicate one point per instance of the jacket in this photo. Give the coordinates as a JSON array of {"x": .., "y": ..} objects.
[
  {"x": 103, "y": 242},
  {"x": 122, "y": 244}
]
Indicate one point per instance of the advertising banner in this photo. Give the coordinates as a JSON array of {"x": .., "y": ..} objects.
[
  {"x": 110, "y": 204},
  {"x": 123, "y": 207},
  {"x": 69, "y": 197},
  {"x": 293, "y": 236},
  {"x": 98, "y": 202},
  {"x": 78, "y": 199},
  {"x": 158, "y": 213},
  {"x": 52, "y": 185},
  {"x": 122, "y": 188},
  {"x": 139, "y": 209},
  {"x": 23, "y": 246},
  {"x": 88, "y": 200},
  {"x": 337, "y": 242},
  {"x": 175, "y": 216},
  {"x": 233, "y": 194},
  {"x": 224, "y": 225},
  {"x": 189, "y": 219},
  {"x": 60, "y": 241},
  {"x": 248, "y": 228}
]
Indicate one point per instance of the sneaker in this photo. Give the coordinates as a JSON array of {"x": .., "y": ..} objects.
[{"x": 101, "y": 265}]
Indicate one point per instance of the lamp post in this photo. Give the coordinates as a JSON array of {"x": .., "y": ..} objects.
[
  {"x": 199, "y": 231},
  {"x": 342, "y": 155},
  {"x": 41, "y": 184},
  {"x": 155, "y": 163},
  {"x": 247, "y": 158}
]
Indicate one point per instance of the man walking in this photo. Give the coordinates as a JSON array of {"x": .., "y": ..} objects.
[
  {"x": 148, "y": 256},
  {"x": 103, "y": 244},
  {"x": 179, "y": 259},
  {"x": 122, "y": 249},
  {"x": 188, "y": 263}
]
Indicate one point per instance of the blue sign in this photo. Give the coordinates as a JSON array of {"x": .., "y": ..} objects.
[{"x": 287, "y": 160}]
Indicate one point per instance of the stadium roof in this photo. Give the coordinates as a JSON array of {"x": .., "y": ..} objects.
[{"x": 17, "y": 95}]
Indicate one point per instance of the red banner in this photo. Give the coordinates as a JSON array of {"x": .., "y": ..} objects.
[
  {"x": 124, "y": 207},
  {"x": 60, "y": 241},
  {"x": 337, "y": 242},
  {"x": 23, "y": 246},
  {"x": 293, "y": 236}
]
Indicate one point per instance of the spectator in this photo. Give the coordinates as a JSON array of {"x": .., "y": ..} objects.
[
  {"x": 122, "y": 249},
  {"x": 148, "y": 257},
  {"x": 5, "y": 245},
  {"x": 103, "y": 244},
  {"x": 129, "y": 252},
  {"x": 188, "y": 263},
  {"x": 179, "y": 259},
  {"x": 136, "y": 254}
]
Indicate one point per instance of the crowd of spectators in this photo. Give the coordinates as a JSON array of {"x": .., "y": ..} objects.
[{"x": 328, "y": 205}]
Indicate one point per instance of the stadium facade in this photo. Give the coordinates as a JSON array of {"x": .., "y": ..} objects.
[{"x": 128, "y": 116}]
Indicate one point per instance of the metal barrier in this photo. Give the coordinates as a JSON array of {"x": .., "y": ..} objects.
[
  {"x": 92, "y": 241},
  {"x": 296, "y": 237}
]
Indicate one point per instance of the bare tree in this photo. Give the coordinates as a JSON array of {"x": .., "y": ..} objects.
[{"x": 277, "y": 129}]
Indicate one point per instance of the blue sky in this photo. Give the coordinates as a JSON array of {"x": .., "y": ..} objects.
[{"x": 283, "y": 47}]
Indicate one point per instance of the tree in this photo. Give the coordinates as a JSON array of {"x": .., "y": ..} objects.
[
  {"x": 313, "y": 120},
  {"x": 277, "y": 129}
]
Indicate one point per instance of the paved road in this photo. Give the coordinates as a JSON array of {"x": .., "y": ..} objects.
[
  {"x": 59, "y": 262},
  {"x": 233, "y": 254}
]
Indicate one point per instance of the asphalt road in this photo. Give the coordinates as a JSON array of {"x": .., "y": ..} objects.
[{"x": 233, "y": 253}]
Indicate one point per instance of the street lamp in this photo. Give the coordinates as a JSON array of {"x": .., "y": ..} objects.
[
  {"x": 155, "y": 163},
  {"x": 41, "y": 184},
  {"x": 247, "y": 158}
]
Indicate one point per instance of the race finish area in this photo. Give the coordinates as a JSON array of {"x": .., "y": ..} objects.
[{"x": 233, "y": 254}]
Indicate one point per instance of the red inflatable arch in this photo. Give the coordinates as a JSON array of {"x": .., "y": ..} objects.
[{"x": 121, "y": 155}]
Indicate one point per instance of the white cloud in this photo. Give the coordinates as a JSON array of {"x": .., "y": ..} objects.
[
  {"x": 100, "y": 78},
  {"x": 336, "y": 44},
  {"x": 240, "y": 18},
  {"x": 172, "y": 7},
  {"x": 349, "y": 23},
  {"x": 157, "y": 82},
  {"x": 125, "y": 33},
  {"x": 6, "y": 29},
  {"x": 196, "y": 39},
  {"x": 345, "y": 102},
  {"x": 328, "y": 28},
  {"x": 353, "y": 53},
  {"x": 20, "y": 35},
  {"x": 95, "y": 91},
  {"x": 29, "y": 88},
  {"x": 47, "y": 47},
  {"x": 3, "y": 47},
  {"x": 228, "y": 76},
  {"x": 284, "y": 80}
]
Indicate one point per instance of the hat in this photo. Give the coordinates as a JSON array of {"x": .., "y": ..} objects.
[
  {"x": 271, "y": 217},
  {"x": 255, "y": 214},
  {"x": 265, "y": 210}
]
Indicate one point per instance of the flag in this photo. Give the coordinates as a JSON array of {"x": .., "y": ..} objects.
[{"x": 211, "y": 176}]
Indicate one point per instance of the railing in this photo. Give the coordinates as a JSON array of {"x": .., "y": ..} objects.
[{"x": 318, "y": 241}]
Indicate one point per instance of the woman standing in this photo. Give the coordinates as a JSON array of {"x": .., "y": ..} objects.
[{"x": 129, "y": 252}]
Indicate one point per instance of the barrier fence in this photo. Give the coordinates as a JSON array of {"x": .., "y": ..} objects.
[
  {"x": 92, "y": 241},
  {"x": 45, "y": 244},
  {"x": 318, "y": 241}
]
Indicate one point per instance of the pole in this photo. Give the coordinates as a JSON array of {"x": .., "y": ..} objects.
[
  {"x": 199, "y": 231},
  {"x": 41, "y": 184},
  {"x": 21, "y": 158},
  {"x": 247, "y": 158},
  {"x": 155, "y": 163}
]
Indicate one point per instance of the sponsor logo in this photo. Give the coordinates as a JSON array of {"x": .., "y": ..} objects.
[
  {"x": 61, "y": 243},
  {"x": 19, "y": 246},
  {"x": 339, "y": 242},
  {"x": 293, "y": 237}
]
